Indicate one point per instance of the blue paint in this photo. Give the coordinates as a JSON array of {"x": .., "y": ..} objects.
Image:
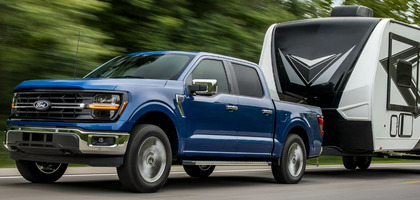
[{"x": 207, "y": 129}]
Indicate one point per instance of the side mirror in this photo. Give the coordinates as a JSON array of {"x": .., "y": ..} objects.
[
  {"x": 203, "y": 87},
  {"x": 404, "y": 70}
]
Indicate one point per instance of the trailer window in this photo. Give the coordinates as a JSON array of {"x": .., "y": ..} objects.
[{"x": 404, "y": 74}]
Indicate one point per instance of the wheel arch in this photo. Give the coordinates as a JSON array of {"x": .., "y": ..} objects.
[
  {"x": 163, "y": 116},
  {"x": 298, "y": 127},
  {"x": 302, "y": 133}
]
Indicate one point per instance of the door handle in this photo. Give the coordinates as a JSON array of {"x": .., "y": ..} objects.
[
  {"x": 231, "y": 108},
  {"x": 267, "y": 112}
]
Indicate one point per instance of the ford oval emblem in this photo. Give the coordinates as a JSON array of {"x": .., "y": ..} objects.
[{"x": 42, "y": 105}]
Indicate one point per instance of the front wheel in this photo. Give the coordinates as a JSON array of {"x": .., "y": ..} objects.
[
  {"x": 40, "y": 172},
  {"x": 199, "y": 171},
  {"x": 292, "y": 161},
  {"x": 148, "y": 159}
]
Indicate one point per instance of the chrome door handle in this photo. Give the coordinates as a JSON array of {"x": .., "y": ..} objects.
[
  {"x": 231, "y": 108},
  {"x": 267, "y": 112}
]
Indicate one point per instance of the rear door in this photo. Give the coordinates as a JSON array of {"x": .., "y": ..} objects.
[{"x": 255, "y": 113}]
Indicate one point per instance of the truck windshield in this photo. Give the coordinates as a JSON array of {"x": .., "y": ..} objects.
[{"x": 147, "y": 66}]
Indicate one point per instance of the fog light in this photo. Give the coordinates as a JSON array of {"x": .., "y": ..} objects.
[{"x": 102, "y": 141}]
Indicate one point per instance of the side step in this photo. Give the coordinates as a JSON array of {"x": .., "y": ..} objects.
[{"x": 203, "y": 162}]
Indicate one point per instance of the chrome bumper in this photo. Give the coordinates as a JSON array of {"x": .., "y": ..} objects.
[{"x": 84, "y": 138}]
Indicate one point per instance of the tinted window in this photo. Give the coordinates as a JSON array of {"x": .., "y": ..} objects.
[
  {"x": 249, "y": 83},
  {"x": 212, "y": 69},
  {"x": 148, "y": 66}
]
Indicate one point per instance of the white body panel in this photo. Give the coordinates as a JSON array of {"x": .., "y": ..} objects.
[{"x": 384, "y": 138}]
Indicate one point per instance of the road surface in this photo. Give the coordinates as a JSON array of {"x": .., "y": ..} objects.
[{"x": 381, "y": 181}]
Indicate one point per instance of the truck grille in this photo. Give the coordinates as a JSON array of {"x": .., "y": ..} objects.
[{"x": 62, "y": 105}]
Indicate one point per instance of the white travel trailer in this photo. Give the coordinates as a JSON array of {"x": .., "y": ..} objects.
[{"x": 362, "y": 71}]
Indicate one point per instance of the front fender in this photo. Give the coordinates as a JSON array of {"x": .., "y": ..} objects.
[{"x": 156, "y": 106}]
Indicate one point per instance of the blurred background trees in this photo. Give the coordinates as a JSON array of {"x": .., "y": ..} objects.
[{"x": 38, "y": 38}]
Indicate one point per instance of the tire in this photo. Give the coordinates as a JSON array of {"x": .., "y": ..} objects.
[
  {"x": 292, "y": 161},
  {"x": 349, "y": 162},
  {"x": 147, "y": 161},
  {"x": 363, "y": 162},
  {"x": 199, "y": 171},
  {"x": 41, "y": 172}
]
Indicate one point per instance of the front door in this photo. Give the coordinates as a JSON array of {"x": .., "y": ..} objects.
[{"x": 211, "y": 122}]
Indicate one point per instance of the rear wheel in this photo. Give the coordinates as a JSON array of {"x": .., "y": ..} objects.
[
  {"x": 349, "y": 162},
  {"x": 41, "y": 172},
  {"x": 292, "y": 161},
  {"x": 148, "y": 159},
  {"x": 363, "y": 162},
  {"x": 199, "y": 171}
]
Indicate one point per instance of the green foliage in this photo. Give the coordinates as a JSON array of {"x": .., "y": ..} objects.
[
  {"x": 402, "y": 10},
  {"x": 38, "y": 38}
]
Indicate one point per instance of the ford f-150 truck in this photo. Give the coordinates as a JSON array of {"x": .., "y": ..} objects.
[{"x": 143, "y": 112}]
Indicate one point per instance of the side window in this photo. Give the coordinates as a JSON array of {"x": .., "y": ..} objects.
[
  {"x": 212, "y": 69},
  {"x": 249, "y": 83}
]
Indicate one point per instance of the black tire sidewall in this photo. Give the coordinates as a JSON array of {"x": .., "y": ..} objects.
[
  {"x": 197, "y": 172},
  {"x": 30, "y": 171},
  {"x": 349, "y": 162},
  {"x": 281, "y": 172},
  {"x": 130, "y": 170},
  {"x": 363, "y": 162}
]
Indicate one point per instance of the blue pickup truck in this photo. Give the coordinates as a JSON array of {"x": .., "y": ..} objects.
[{"x": 143, "y": 112}]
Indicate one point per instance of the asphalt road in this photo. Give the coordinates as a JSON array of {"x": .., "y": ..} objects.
[{"x": 381, "y": 181}]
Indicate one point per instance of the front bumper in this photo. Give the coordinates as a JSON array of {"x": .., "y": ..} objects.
[{"x": 65, "y": 141}]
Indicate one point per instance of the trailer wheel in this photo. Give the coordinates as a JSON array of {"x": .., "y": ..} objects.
[
  {"x": 350, "y": 162},
  {"x": 148, "y": 159},
  {"x": 363, "y": 162},
  {"x": 199, "y": 171},
  {"x": 292, "y": 161},
  {"x": 40, "y": 172}
]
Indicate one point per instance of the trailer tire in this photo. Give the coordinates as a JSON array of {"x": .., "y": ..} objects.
[
  {"x": 40, "y": 172},
  {"x": 350, "y": 162},
  {"x": 147, "y": 161},
  {"x": 363, "y": 162},
  {"x": 292, "y": 163},
  {"x": 199, "y": 171}
]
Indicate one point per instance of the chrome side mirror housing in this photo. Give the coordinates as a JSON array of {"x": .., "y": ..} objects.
[{"x": 205, "y": 87}]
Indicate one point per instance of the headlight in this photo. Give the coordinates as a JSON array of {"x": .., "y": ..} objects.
[
  {"x": 13, "y": 103},
  {"x": 106, "y": 106}
]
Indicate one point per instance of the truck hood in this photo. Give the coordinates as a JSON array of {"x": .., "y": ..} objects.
[{"x": 90, "y": 84}]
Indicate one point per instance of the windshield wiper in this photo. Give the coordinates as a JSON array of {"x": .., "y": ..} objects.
[{"x": 126, "y": 77}]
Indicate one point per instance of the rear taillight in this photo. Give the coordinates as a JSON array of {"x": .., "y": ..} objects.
[{"x": 320, "y": 120}]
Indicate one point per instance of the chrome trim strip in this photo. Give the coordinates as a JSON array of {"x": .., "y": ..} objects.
[
  {"x": 85, "y": 146},
  {"x": 179, "y": 98},
  {"x": 253, "y": 163},
  {"x": 55, "y": 105}
]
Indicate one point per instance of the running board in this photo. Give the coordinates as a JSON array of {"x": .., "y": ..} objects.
[{"x": 196, "y": 162}]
